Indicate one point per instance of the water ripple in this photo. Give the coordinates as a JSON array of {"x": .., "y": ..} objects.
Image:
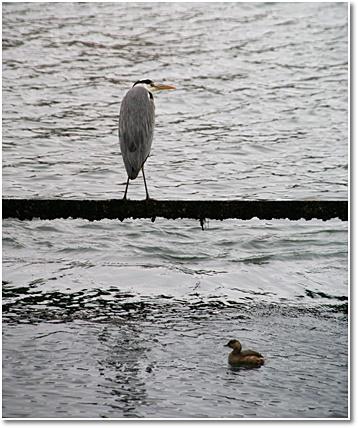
[{"x": 71, "y": 92}]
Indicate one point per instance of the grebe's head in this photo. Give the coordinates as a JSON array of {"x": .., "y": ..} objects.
[
  {"x": 234, "y": 344},
  {"x": 151, "y": 86}
]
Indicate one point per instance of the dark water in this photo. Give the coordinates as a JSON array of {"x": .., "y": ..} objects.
[
  {"x": 129, "y": 320},
  {"x": 110, "y": 319}
]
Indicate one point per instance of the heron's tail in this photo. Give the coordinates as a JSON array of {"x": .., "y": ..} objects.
[{"x": 132, "y": 173}]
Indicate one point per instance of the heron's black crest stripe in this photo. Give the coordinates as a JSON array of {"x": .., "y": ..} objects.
[{"x": 146, "y": 81}]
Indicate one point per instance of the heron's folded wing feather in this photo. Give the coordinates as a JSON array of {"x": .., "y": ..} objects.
[{"x": 136, "y": 126}]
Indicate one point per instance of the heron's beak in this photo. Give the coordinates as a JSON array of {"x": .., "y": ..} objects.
[{"x": 161, "y": 87}]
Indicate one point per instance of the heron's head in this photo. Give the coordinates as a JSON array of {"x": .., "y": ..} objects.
[
  {"x": 151, "y": 86},
  {"x": 234, "y": 344}
]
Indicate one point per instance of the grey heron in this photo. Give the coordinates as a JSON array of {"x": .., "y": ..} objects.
[{"x": 136, "y": 127}]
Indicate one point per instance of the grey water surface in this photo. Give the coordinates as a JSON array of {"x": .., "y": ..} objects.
[{"x": 108, "y": 319}]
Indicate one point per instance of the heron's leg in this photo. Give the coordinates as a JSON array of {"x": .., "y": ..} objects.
[
  {"x": 125, "y": 193},
  {"x": 145, "y": 184}
]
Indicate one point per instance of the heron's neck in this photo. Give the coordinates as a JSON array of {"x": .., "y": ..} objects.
[
  {"x": 146, "y": 87},
  {"x": 143, "y": 85}
]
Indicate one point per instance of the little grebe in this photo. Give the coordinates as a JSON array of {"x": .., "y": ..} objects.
[{"x": 247, "y": 358}]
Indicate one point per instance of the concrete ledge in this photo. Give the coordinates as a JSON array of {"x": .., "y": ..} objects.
[{"x": 27, "y": 209}]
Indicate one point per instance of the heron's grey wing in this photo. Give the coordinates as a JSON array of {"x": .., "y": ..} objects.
[{"x": 136, "y": 127}]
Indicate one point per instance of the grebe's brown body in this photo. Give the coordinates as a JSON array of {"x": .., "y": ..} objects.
[{"x": 240, "y": 358}]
